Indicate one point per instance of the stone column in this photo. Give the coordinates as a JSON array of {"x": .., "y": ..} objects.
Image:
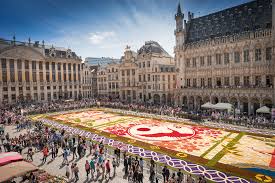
[
  {"x": 51, "y": 79},
  {"x": 250, "y": 108},
  {"x": 77, "y": 80},
  {"x": 72, "y": 81},
  {"x": 31, "y": 79},
  {"x": 8, "y": 79},
  {"x": 239, "y": 104},
  {"x": 67, "y": 77},
  {"x": 38, "y": 81},
  {"x": 45, "y": 81},
  {"x": 195, "y": 103},
  {"x": 16, "y": 80}
]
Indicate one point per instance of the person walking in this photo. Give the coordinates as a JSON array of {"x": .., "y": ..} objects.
[
  {"x": 76, "y": 171},
  {"x": 114, "y": 162},
  {"x": 45, "y": 154},
  {"x": 67, "y": 171},
  {"x": 72, "y": 169},
  {"x": 92, "y": 166},
  {"x": 87, "y": 168},
  {"x": 74, "y": 151},
  {"x": 65, "y": 157},
  {"x": 141, "y": 164},
  {"x": 108, "y": 169}
]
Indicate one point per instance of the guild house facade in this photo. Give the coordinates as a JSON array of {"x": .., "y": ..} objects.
[
  {"x": 33, "y": 71},
  {"x": 227, "y": 56}
]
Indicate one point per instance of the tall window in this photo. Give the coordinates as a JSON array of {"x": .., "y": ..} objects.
[
  {"x": 34, "y": 76},
  {"x": 3, "y": 63},
  {"x": 246, "y": 81},
  {"x": 19, "y": 74},
  {"x": 202, "y": 82},
  {"x": 226, "y": 58},
  {"x": 209, "y": 82},
  {"x": 258, "y": 80},
  {"x": 41, "y": 76},
  {"x": 218, "y": 59},
  {"x": 237, "y": 81},
  {"x": 226, "y": 81},
  {"x": 26, "y": 64},
  {"x": 47, "y": 76},
  {"x": 246, "y": 55},
  {"x": 12, "y": 74},
  {"x": 268, "y": 80},
  {"x": 19, "y": 64},
  {"x": 202, "y": 61},
  {"x": 187, "y": 62},
  {"x": 27, "y": 76},
  {"x": 268, "y": 53},
  {"x": 188, "y": 82},
  {"x": 258, "y": 55},
  {"x": 33, "y": 65},
  {"x": 237, "y": 57},
  {"x": 209, "y": 60},
  {"x": 218, "y": 81},
  {"x": 194, "y": 62}
]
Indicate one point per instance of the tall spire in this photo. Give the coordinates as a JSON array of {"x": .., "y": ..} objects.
[
  {"x": 179, "y": 9},
  {"x": 179, "y": 13}
]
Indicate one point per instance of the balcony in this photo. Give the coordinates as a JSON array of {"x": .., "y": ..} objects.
[{"x": 229, "y": 90}]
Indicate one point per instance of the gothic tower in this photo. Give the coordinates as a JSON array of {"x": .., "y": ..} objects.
[{"x": 179, "y": 32}]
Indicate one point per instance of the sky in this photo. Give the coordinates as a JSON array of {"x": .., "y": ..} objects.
[{"x": 100, "y": 28}]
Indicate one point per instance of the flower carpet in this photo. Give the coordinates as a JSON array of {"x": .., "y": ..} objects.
[{"x": 196, "y": 149}]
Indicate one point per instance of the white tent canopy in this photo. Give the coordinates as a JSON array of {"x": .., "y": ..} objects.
[
  {"x": 223, "y": 106},
  {"x": 263, "y": 109},
  {"x": 207, "y": 105}
]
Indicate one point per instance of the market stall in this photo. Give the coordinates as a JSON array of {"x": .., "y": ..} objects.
[
  {"x": 15, "y": 169},
  {"x": 6, "y": 158}
]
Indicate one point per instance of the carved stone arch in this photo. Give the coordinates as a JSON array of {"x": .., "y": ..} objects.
[
  {"x": 22, "y": 52},
  {"x": 224, "y": 100},
  {"x": 214, "y": 99},
  {"x": 267, "y": 102},
  {"x": 218, "y": 50},
  {"x": 206, "y": 99},
  {"x": 246, "y": 46},
  {"x": 255, "y": 104},
  {"x": 258, "y": 44}
]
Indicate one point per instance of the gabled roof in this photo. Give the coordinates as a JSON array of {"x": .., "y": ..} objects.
[{"x": 245, "y": 17}]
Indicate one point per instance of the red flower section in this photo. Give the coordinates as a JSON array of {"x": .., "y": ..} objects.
[{"x": 203, "y": 135}]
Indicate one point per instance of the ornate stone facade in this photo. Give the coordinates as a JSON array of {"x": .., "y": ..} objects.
[
  {"x": 36, "y": 72},
  {"x": 147, "y": 76},
  {"x": 227, "y": 56}
]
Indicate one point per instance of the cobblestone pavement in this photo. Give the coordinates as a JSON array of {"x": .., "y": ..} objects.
[{"x": 54, "y": 167}]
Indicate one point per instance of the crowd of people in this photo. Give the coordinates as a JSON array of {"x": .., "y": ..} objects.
[{"x": 50, "y": 142}]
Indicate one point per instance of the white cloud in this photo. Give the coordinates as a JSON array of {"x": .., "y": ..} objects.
[{"x": 99, "y": 37}]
